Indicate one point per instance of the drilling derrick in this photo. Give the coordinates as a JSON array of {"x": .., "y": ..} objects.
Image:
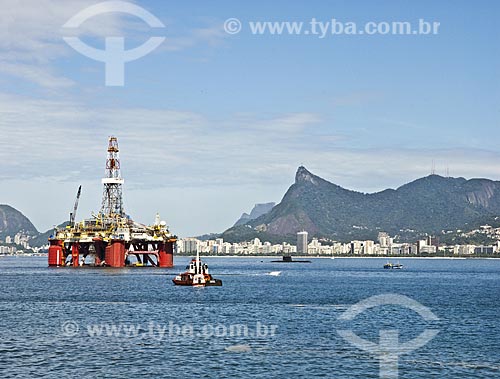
[
  {"x": 112, "y": 203},
  {"x": 111, "y": 238}
]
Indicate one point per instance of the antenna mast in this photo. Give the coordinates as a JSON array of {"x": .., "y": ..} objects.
[{"x": 112, "y": 204}]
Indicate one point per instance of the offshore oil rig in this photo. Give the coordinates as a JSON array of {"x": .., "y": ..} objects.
[{"x": 111, "y": 238}]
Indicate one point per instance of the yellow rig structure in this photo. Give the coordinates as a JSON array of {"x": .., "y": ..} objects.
[{"x": 111, "y": 238}]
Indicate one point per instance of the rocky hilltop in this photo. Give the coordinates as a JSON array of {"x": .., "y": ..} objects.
[
  {"x": 257, "y": 211},
  {"x": 427, "y": 205},
  {"x": 12, "y": 222}
]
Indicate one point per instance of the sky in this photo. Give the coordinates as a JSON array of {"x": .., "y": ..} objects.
[{"x": 210, "y": 122}]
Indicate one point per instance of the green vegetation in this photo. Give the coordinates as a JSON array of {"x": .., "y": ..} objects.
[
  {"x": 42, "y": 238},
  {"x": 12, "y": 222},
  {"x": 426, "y": 206}
]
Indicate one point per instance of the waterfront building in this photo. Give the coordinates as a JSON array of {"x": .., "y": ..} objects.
[
  {"x": 191, "y": 245},
  {"x": 302, "y": 242},
  {"x": 384, "y": 240}
]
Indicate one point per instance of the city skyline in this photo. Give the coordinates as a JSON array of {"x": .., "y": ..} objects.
[
  {"x": 212, "y": 123},
  {"x": 383, "y": 246}
]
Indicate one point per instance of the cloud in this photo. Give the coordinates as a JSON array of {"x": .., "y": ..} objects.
[
  {"x": 68, "y": 138},
  {"x": 290, "y": 123},
  {"x": 211, "y": 36},
  {"x": 372, "y": 170},
  {"x": 31, "y": 29},
  {"x": 31, "y": 32},
  {"x": 64, "y": 140},
  {"x": 43, "y": 76},
  {"x": 31, "y": 37}
]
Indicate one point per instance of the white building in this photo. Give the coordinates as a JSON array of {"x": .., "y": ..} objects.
[
  {"x": 464, "y": 249},
  {"x": 384, "y": 240},
  {"x": 369, "y": 248},
  {"x": 190, "y": 245},
  {"x": 314, "y": 247},
  {"x": 302, "y": 242}
]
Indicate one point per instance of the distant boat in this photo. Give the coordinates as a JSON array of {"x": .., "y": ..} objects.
[
  {"x": 393, "y": 266},
  {"x": 288, "y": 259}
]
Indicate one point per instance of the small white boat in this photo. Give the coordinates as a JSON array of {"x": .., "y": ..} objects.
[{"x": 393, "y": 266}]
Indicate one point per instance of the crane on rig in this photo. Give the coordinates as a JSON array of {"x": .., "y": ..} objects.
[{"x": 72, "y": 215}]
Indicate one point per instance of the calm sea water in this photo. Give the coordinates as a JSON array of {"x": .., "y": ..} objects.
[{"x": 50, "y": 318}]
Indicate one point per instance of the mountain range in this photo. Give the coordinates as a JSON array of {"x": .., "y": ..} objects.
[
  {"x": 428, "y": 205},
  {"x": 12, "y": 222},
  {"x": 257, "y": 211}
]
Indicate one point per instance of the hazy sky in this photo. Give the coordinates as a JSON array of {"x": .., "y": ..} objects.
[{"x": 211, "y": 123}]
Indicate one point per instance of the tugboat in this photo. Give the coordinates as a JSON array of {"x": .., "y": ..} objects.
[
  {"x": 393, "y": 266},
  {"x": 196, "y": 275}
]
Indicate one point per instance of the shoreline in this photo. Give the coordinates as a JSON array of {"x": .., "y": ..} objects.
[
  {"x": 335, "y": 257},
  {"x": 387, "y": 258}
]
